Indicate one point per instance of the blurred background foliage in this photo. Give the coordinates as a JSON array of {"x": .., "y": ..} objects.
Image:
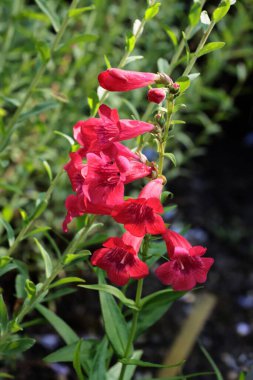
[{"x": 35, "y": 152}]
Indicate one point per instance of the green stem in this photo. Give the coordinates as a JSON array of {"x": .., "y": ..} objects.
[
  {"x": 200, "y": 46},
  {"x": 27, "y": 227},
  {"x": 71, "y": 248},
  {"x": 41, "y": 70},
  {"x": 163, "y": 142},
  {"x": 135, "y": 312},
  {"x": 133, "y": 327},
  {"x": 180, "y": 48}
]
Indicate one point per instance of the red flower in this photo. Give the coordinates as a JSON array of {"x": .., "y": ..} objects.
[
  {"x": 76, "y": 170},
  {"x": 186, "y": 266},
  {"x": 97, "y": 134},
  {"x": 140, "y": 216},
  {"x": 76, "y": 206},
  {"x": 123, "y": 80},
  {"x": 156, "y": 95},
  {"x": 120, "y": 260}
]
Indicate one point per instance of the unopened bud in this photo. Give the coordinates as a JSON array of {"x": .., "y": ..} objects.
[
  {"x": 163, "y": 78},
  {"x": 174, "y": 88},
  {"x": 156, "y": 95}
]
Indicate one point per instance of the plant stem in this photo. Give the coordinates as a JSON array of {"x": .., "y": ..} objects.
[
  {"x": 41, "y": 70},
  {"x": 71, "y": 248},
  {"x": 133, "y": 327},
  {"x": 135, "y": 312},
  {"x": 27, "y": 227},
  {"x": 200, "y": 46},
  {"x": 162, "y": 143}
]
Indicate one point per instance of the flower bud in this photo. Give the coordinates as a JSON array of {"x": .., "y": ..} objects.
[{"x": 156, "y": 95}]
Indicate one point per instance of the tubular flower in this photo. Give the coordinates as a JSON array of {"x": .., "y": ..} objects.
[
  {"x": 119, "y": 258},
  {"x": 96, "y": 134},
  {"x": 186, "y": 266},
  {"x": 108, "y": 172},
  {"x": 77, "y": 205},
  {"x": 140, "y": 216},
  {"x": 76, "y": 170},
  {"x": 156, "y": 95},
  {"x": 123, "y": 80}
]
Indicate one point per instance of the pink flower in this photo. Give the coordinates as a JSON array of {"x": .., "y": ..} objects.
[
  {"x": 140, "y": 216},
  {"x": 156, "y": 95},
  {"x": 123, "y": 80},
  {"x": 120, "y": 260},
  {"x": 96, "y": 134},
  {"x": 186, "y": 266}
]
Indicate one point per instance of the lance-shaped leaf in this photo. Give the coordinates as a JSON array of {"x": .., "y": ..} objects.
[
  {"x": 114, "y": 291},
  {"x": 64, "y": 330},
  {"x": 208, "y": 48},
  {"x": 115, "y": 325},
  {"x": 46, "y": 258}
]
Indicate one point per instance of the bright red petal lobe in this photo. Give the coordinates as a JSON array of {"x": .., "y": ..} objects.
[
  {"x": 120, "y": 260},
  {"x": 186, "y": 267}
]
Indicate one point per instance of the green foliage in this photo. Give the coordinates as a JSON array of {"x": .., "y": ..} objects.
[
  {"x": 115, "y": 324},
  {"x": 53, "y": 53}
]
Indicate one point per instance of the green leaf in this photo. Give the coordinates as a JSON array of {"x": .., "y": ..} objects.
[
  {"x": 171, "y": 34},
  {"x": 98, "y": 368},
  {"x": 20, "y": 286},
  {"x": 154, "y": 306},
  {"x": 4, "y": 260},
  {"x": 59, "y": 293},
  {"x": 212, "y": 363},
  {"x": 184, "y": 83},
  {"x": 46, "y": 258},
  {"x": 3, "y": 315},
  {"x": 114, "y": 291},
  {"x": 174, "y": 122},
  {"x": 107, "y": 62},
  {"x": 39, "y": 108},
  {"x": 77, "y": 362},
  {"x": 30, "y": 288},
  {"x": 130, "y": 43},
  {"x": 67, "y": 137},
  {"x": 48, "y": 169},
  {"x": 172, "y": 158},
  {"x": 70, "y": 257},
  {"x": 64, "y": 281},
  {"x": 211, "y": 46},
  {"x": 133, "y": 58},
  {"x": 43, "y": 4},
  {"x": 152, "y": 11},
  {"x": 77, "y": 12},
  {"x": 66, "y": 354},
  {"x": 9, "y": 230},
  {"x": 115, "y": 324},
  {"x": 18, "y": 345},
  {"x": 114, "y": 372},
  {"x": 194, "y": 15},
  {"x": 66, "y": 332},
  {"x": 4, "y": 375},
  {"x": 221, "y": 10},
  {"x": 141, "y": 363},
  {"x": 37, "y": 231},
  {"x": 43, "y": 50}
]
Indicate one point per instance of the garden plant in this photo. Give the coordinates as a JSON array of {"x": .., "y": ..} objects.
[{"x": 128, "y": 141}]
